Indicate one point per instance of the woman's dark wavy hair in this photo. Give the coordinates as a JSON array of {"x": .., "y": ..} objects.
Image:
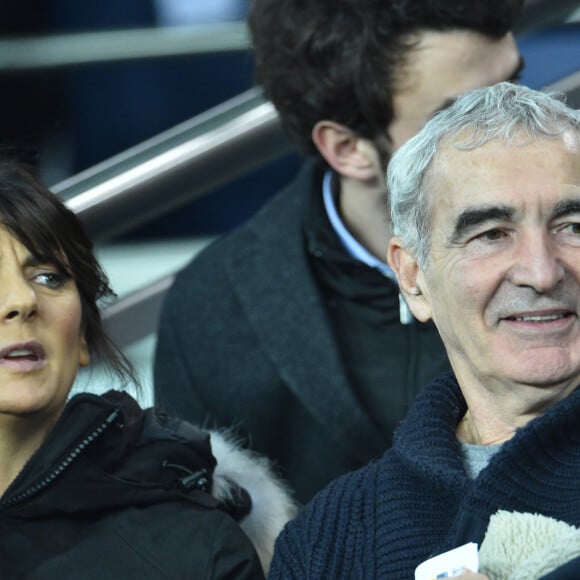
[
  {"x": 54, "y": 234},
  {"x": 337, "y": 59}
]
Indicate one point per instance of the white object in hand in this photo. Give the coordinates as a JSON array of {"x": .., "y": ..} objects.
[{"x": 449, "y": 564}]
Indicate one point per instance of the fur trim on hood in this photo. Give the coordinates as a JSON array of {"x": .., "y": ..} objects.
[{"x": 270, "y": 504}]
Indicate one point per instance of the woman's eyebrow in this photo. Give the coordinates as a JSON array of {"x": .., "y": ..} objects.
[
  {"x": 33, "y": 261},
  {"x": 36, "y": 260}
]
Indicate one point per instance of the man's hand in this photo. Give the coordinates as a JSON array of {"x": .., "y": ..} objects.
[{"x": 469, "y": 575}]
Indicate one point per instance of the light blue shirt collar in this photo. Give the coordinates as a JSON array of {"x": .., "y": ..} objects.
[
  {"x": 352, "y": 246},
  {"x": 356, "y": 249}
]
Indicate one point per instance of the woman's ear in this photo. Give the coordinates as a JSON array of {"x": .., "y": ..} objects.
[
  {"x": 410, "y": 278},
  {"x": 345, "y": 152},
  {"x": 84, "y": 355}
]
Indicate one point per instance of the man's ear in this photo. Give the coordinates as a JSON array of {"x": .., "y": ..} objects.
[
  {"x": 410, "y": 278},
  {"x": 345, "y": 152}
]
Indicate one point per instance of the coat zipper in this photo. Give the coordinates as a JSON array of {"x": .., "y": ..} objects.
[{"x": 62, "y": 466}]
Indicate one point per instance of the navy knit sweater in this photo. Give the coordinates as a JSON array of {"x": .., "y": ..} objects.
[{"x": 416, "y": 501}]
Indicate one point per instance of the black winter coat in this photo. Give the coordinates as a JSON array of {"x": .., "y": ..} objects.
[{"x": 116, "y": 492}]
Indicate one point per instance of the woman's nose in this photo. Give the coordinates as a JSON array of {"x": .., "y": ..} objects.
[{"x": 17, "y": 300}]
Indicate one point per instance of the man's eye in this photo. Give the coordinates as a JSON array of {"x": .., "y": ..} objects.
[
  {"x": 569, "y": 228},
  {"x": 569, "y": 233},
  {"x": 491, "y": 235}
]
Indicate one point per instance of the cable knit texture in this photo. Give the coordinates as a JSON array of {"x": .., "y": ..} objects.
[{"x": 416, "y": 501}]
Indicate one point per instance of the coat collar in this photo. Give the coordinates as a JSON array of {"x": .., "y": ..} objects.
[{"x": 287, "y": 314}]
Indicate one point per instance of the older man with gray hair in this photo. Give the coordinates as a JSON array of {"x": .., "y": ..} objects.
[{"x": 485, "y": 204}]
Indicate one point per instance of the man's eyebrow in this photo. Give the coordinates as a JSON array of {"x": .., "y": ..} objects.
[
  {"x": 470, "y": 218},
  {"x": 566, "y": 207}
]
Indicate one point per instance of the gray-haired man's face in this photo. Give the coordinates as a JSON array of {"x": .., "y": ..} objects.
[{"x": 503, "y": 281}]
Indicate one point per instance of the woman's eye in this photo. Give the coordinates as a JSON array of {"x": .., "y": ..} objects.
[{"x": 53, "y": 280}]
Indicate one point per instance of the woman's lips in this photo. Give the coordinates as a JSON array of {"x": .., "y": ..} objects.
[{"x": 23, "y": 357}]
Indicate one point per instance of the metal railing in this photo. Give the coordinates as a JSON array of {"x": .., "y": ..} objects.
[
  {"x": 570, "y": 86},
  {"x": 188, "y": 161},
  {"x": 176, "y": 166},
  {"x": 60, "y": 51},
  {"x": 135, "y": 316},
  {"x": 540, "y": 14}
]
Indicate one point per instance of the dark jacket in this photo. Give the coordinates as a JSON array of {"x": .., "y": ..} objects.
[
  {"x": 245, "y": 340},
  {"x": 417, "y": 501},
  {"x": 115, "y": 492}
]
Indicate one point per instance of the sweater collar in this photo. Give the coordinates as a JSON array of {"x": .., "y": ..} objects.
[
  {"x": 427, "y": 442},
  {"x": 426, "y": 438},
  {"x": 428, "y": 433}
]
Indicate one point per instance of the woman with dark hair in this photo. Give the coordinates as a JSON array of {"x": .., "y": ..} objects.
[{"x": 91, "y": 487}]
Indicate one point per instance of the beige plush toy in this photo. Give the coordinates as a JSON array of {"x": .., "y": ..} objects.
[{"x": 524, "y": 546}]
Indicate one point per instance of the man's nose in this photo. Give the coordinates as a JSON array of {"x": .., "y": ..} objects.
[{"x": 537, "y": 263}]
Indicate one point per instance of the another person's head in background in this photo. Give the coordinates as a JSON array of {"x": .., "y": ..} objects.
[
  {"x": 352, "y": 80},
  {"x": 485, "y": 206},
  {"x": 51, "y": 288}
]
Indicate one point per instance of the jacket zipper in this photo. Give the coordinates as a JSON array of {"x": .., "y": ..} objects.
[{"x": 62, "y": 466}]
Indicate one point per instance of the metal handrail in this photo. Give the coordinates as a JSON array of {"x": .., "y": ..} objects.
[
  {"x": 539, "y": 14},
  {"x": 136, "y": 315},
  {"x": 58, "y": 51},
  {"x": 570, "y": 86},
  {"x": 107, "y": 46},
  {"x": 188, "y": 161}
]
